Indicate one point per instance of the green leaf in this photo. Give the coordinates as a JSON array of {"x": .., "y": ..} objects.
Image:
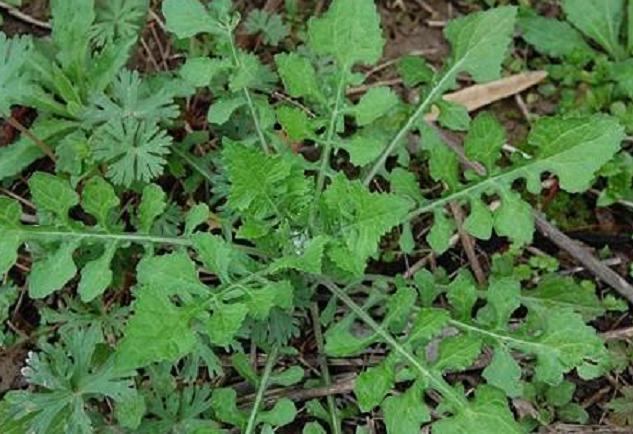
[
  {"x": 200, "y": 71},
  {"x": 601, "y": 21},
  {"x": 404, "y": 414},
  {"x": 361, "y": 218},
  {"x": 462, "y": 295},
  {"x": 299, "y": 76},
  {"x": 96, "y": 275},
  {"x": 552, "y": 37},
  {"x": 134, "y": 150},
  {"x": 373, "y": 385},
  {"x": 484, "y": 140},
  {"x": 72, "y": 21},
  {"x": 295, "y": 122},
  {"x": 157, "y": 331},
  {"x": 14, "y": 81},
  {"x": 222, "y": 109},
  {"x": 99, "y": 199},
  {"x": 262, "y": 185},
  {"x": 439, "y": 236},
  {"x": 479, "y": 41},
  {"x": 187, "y": 18},
  {"x": 428, "y": 323},
  {"x": 414, "y": 70},
  {"x": 575, "y": 148},
  {"x": 309, "y": 260},
  {"x": 313, "y": 428},
  {"x": 348, "y": 31},
  {"x": 270, "y": 25},
  {"x": 487, "y": 413},
  {"x": 152, "y": 205},
  {"x": 514, "y": 218},
  {"x": 282, "y": 413},
  {"x": 225, "y": 323},
  {"x": 456, "y": 353},
  {"x": 51, "y": 193},
  {"x": 377, "y": 102},
  {"x": 52, "y": 273},
  {"x": 217, "y": 254},
  {"x": 10, "y": 212},
  {"x": 261, "y": 301},
  {"x": 453, "y": 116},
  {"x": 405, "y": 183},
  {"x": 504, "y": 372},
  {"x": 224, "y": 404},
  {"x": 363, "y": 147},
  {"x": 174, "y": 273},
  {"x": 479, "y": 222},
  {"x": 443, "y": 164},
  {"x": 196, "y": 216}
]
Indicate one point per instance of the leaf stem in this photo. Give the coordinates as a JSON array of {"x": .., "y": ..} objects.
[
  {"x": 249, "y": 99},
  {"x": 263, "y": 384},
  {"x": 435, "y": 380},
  {"x": 325, "y": 156},
  {"x": 422, "y": 108},
  {"x": 325, "y": 372}
]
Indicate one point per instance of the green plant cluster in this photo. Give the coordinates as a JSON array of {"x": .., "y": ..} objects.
[{"x": 253, "y": 229}]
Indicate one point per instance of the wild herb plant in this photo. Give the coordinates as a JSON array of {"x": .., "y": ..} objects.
[{"x": 280, "y": 230}]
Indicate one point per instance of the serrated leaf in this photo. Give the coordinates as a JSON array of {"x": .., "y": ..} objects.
[
  {"x": 443, "y": 163},
  {"x": 157, "y": 331},
  {"x": 52, "y": 273},
  {"x": 96, "y": 275},
  {"x": 187, "y": 18},
  {"x": 363, "y": 147},
  {"x": 216, "y": 253},
  {"x": 479, "y": 41},
  {"x": 405, "y": 413},
  {"x": 439, "y": 236},
  {"x": 174, "y": 273},
  {"x": 504, "y": 372},
  {"x": 51, "y": 193},
  {"x": 601, "y": 21},
  {"x": 514, "y": 219},
  {"x": 377, "y": 102},
  {"x": 153, "y": 204},
  {"x": 196, "y": 216},
  {"x": 456, "y": 353},
  {"x": 348, "y": 31},
  {"x": 484, "y": 140},
  {"x": 99, "y": 199},
  {"x": 487, "y": 413},
  {"x": 10, "y": 212},
  {"x": 414, "y": 70},
  {"x": 299, "y": 76},
  {"x": 225, "y": 322},
  {"x": 361, "y": 217},
  {"x": 222, "y": 109},
  {"x": 295, "y": 122},
  {"x": 200, "y": 71},
  {"x": 453, "y": 116},
  {"x": 479, "y": 222},
  {"x": 552, "y": 37},
  {"x": 373, "y": 384}
]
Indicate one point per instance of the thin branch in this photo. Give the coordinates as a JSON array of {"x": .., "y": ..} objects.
[
  {"x": 18, "y": 14},
  {"x": 40, "y": 144},
  {"x": 263, "y": 384},
  {"x": 581, "y": 253},
  {"x": 468, "y": 242},
  {"x": 325, "y": 372}
]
